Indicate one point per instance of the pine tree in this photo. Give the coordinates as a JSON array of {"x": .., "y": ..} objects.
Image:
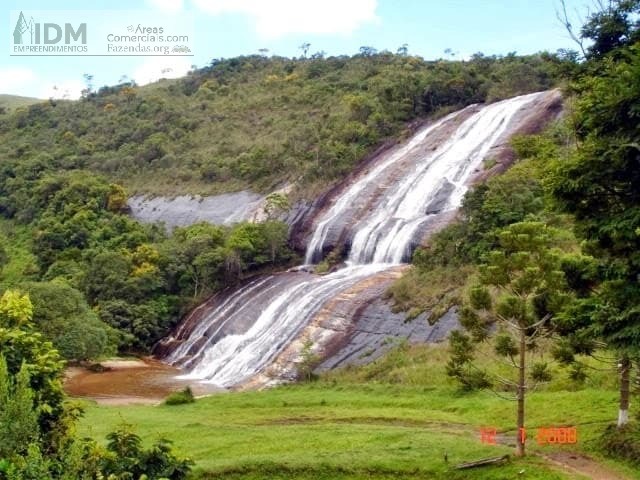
[{"x": 520, "y": 288}]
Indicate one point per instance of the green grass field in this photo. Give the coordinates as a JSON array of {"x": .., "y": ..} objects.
[{"x": 341, "y": 427}]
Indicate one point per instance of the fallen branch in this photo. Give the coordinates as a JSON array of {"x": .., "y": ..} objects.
[{"x": 483, "y": 462}]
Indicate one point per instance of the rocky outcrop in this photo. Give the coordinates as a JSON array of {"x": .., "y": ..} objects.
[
  {"x": 185, "y": 210},
  {"x": 377, "y": 329},
  {"x": 327, "y": 329},
  {"x": 232, "y": 311},
  {"x": 355, "y": 327},
  {"x": 400, "y": 159},
  {"x": 529, "y": 119}
]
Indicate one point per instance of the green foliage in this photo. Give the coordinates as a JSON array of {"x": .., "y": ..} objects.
[
  {"x": 18, "y": 417},
  {"x": 126, "y": 458},
  {"x": 63, "y": 316},
  {"x": 181, "y": 397},
  {"x": 315, "y": 118},
  {"x": 611, "y": 27},
  {"x": 622, "y": 442},
  {"x": 480, "y": 298},
  {"x": 117, "y": 198},
  {"x": 515, "y": 196},
  {"x": 520, "y": 289},
  {"x": 433, "y": 290},
  {"x": 15, "y": 309},
  {"x": 276, "y": 205},
  {"x": 33, "y": 416},
  {"x": 12, "y": 102},
  {"x": 24, "y": 349},
  {"x": 394, "y": 409},
  {"x": 308, "y": 361},
  {"x": 134, "y": 279},
  {"x": 599, "y": 185},
  {"x": 505, "y": 346},
  {"x": 460, "y": 365},
  {"x": 37, "y": 426},
  {"x": 4, "y": 255},
  {"x": 525, "y": 274},
  {"x": 65, "y": 164},
  {"x": 540, "y": 372}
]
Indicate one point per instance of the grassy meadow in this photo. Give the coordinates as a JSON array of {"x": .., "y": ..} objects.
[{"x": 396, "y": 418}]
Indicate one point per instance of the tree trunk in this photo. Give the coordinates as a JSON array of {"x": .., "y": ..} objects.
[
  {"x": 520, "y": 438},
  {"x": 625, "y": 374}
]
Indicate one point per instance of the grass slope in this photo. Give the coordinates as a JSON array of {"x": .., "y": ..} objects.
[
  {"x": 399, "y": 425},
  {"x": 11, "y": 102}
]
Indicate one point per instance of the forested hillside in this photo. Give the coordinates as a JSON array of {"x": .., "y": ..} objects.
[{"x": 254, "y": 121}]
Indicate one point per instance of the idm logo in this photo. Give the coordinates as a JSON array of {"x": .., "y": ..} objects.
[{"x": 34, "y": 33}]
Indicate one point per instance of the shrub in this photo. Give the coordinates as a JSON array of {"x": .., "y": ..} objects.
[
  {"x": 622, "y": 442},
  {"x": 181, "y": 397}
]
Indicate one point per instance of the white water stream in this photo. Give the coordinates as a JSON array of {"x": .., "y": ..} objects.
[{"x": 276, "y": 308}]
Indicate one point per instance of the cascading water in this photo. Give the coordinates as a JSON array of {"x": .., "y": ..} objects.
[
  {"x": 239, "y": 336},
  {"x": 384, "y": 234}
]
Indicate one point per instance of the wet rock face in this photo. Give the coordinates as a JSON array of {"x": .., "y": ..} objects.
[
  {"x": 230, "y": 312},
  {"x": 377, "y": 330},
  {"x": 548, "y": 108},
  {"x": 449, "y": 148},
  {"x": 354, "y": 327},
  {"x": 441, "y": 198}
]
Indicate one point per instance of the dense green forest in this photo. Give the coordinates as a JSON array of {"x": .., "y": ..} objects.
[{"x": 253, "y": 121}]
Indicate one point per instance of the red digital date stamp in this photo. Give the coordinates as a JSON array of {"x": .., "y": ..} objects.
[{"x": 544, "y": 436}]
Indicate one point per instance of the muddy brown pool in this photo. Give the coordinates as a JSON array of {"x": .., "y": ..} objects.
[{"x": 138, "y": 381}]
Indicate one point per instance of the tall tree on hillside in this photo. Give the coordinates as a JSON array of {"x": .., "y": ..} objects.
[
  {"x": 600, "y": 185},
  {"x": 520, "y": 288}
]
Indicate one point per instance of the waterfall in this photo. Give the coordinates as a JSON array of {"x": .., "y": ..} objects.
[
  {"x": 346, "y": 199},
  {"x": 384, "y": 213},
  {"x": 237, "y": 357},
  {"x": 384, "y": 235}
]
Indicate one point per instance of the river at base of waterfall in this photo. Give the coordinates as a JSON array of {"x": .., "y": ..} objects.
[{"x": 129, "y": 381}]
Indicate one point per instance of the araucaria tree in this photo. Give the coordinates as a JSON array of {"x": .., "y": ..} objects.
[{"x": 520, "y": 287}]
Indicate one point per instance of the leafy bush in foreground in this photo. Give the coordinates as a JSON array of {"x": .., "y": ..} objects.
[{"x": 181, "y": 397}]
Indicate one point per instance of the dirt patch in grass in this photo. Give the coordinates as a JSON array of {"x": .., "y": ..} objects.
[{"x": 583, "y": 465}]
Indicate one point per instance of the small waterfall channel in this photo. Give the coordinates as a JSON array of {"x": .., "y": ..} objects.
[{"x": 381, "y": 217}]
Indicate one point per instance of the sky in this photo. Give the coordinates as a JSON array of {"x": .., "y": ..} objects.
[{"x": 227, "y": 28}]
